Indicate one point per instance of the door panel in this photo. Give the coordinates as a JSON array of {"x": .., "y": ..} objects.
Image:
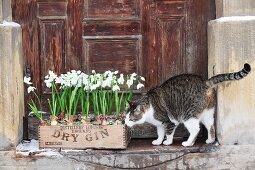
[
  {"x": 172, "y": 8},
  {"x": 114, "y": 53},
  {"x": 103, "y": 28},
  {"x": 155, "y": 38},
  {"x": 47, "y": 8},
  {"x": 112, "y": 9},
  {"x": 52, "y": 53},
  {"x": 171, "y": 47}
]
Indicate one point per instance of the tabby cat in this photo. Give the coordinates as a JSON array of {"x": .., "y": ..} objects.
[{"x": 186, "y": 99}]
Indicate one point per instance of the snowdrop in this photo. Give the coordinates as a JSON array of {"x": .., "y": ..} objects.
[
  {"x": 142, "y": 78},
  {"x": 107, "y": 82},
  {"x": 33, "y": 107},
  {"x": 115, "y": 88},
  {"x": 133, "y": 75},
  {"x": 139, "y": 85},
  {"x": 79, "y": 72},
  {"x": 93, "y": 87},
  {"x": 59, "y": 80},
  {"x": 74, "y": 80},
  {"x": 48, "y": 83},
  {"x": 50, "y": 78},
  {"x": 130, "y": 83},
  {"x": 85, "y": 80},
  {"x": 121, "y": 79},
  {"x": 103, "y": 88},
  {"x": 27, "y": 80},
  {"x": 30, "y": 89},
  {"x": 106, "y": 73}
]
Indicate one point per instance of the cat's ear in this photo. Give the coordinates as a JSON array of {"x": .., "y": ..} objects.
[{"x": 141, "y": 108}]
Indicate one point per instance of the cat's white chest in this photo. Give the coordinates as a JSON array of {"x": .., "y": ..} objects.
[{"x": 150, "y": 117}]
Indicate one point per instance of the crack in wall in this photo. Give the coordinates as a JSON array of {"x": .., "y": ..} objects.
[{"x": 176, "y": 156}]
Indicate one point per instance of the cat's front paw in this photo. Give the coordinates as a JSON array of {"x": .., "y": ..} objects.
[
  {"x": 156, "y": 142},
  {"x": 168, "y": 142},
  {"x": 187, "y": 144},
  {"x": 208, "y": 141}
]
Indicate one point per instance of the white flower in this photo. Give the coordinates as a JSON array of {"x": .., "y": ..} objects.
[
  {"x": 86, "y": 87},
  {"x": 52, "y": 75},
  {"x": 92, "y": 78},
  {"x": 79, "y": 83},
  {"x": 133, "y": 74},
  {"x": 121, "y": 79},
  {"x": 129, "y": 83},
  {"x": 85, "y": 79},
  {"x": 46, "y": 77},
  {"x": 74, "y": 80},
  {"x": 116, "y": 72},
  {"x": 50, "y": 78},
  {"x": 93, "y": 71},
  {"x": 48, "y": 83},
  {"x": 142, "y": 78},
  {"x": 58, "y": 80},
  {"x": 139, "y": 85},
  {"x": 27, "y": 80},
  {"x": 30, "y": 88},
  {"x": 106, "y": 83},
  {"x": 93, "y": 87},
  {"x": 98, "y": 76},
  {"x": 115, "y": 87},
  {"x": 107, "y": 73}
]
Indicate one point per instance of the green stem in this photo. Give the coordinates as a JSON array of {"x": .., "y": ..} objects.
[{"x": 116, "y": 102}]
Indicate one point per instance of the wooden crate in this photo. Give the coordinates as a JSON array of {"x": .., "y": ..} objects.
[{"x": 84, "y": 136}]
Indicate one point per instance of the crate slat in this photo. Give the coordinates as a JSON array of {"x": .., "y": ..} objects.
[{"x": 84, "y": 137}]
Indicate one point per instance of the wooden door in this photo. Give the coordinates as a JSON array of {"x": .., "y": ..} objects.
[{"x": 155, "y": 38}]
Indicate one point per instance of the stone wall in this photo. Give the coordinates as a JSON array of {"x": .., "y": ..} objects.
[
  {"x": 11, "y": 79},
  {"x": 223, "y": 157},
  {"x": 226, "y": 8},
  {"x": 1, "y": 11},
  {"x": 231, "y": 42}
]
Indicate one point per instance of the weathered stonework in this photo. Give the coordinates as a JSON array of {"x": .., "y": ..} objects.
[
  {"x": 231, "y": 44},
  {"x": 226, "y": 8},
  {"x": 1, "y": 12},
  {"x": 217, "y": 157},
  {"x": 11, "y": 85},
  {"x": 6, "y": 10}
]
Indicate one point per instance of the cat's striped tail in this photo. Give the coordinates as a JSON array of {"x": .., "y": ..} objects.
[{"x": 212, "y": 82}]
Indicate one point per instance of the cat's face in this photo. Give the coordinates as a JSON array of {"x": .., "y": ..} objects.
[{"x": 135, "y": 114}]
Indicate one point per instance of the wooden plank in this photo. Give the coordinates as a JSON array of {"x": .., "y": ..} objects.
[
  {"x": 103, "y": 28},
  {"x": 52, "y": 9},
  {"x": 171, "y": 7},
  {"x": 112, "y": 9},
  {"x": 171, "y": 47},
  {"x": 74, "y": 45},
  {"x": 52, "y": 53},
  {"x": 113, "y": 53},
  {"x": 84, "y": 136}
]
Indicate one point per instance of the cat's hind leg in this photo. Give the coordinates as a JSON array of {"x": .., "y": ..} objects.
[
  {"x": 208, "y": 120},
  {"x": 170, "y": 129},
  {"x": 161, "y": 135},
  {"x": 193, "y": 127}
]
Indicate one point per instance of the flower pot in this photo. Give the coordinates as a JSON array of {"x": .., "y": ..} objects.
[{"x": 84, "y": 136}]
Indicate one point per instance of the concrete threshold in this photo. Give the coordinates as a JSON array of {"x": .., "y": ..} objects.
[{"x": 139, "y": 155}]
